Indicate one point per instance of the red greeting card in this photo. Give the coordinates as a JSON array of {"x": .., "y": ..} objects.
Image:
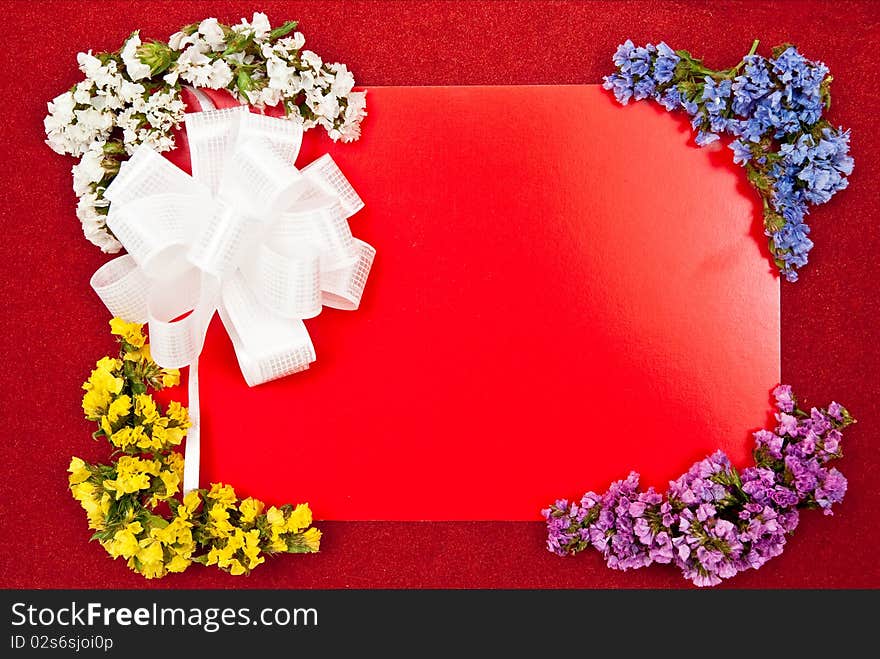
[{"x": 565, "y": 289}]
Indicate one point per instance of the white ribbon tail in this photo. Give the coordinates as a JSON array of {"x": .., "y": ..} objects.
[{"x": 193, "y": 450}]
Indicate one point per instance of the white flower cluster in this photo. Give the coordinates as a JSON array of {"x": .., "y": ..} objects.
[
  {"x": 326, "y": 88},
  {"x": 122, "y": 103},
  {"x": 86, "y": 177},
  {"x": 107, "y": 99},
  {"x": 279, "y": 71},
  {"x": 194, "y": 64},
  {"x": 81, "y": 120}
]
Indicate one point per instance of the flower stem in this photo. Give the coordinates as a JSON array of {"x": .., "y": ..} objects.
[{"x": 751, "y": 52}]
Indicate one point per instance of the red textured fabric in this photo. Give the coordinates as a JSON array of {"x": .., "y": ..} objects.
[{"x": 54, "y": 329}]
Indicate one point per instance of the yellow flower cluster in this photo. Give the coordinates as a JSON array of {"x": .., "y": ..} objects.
[
  {"x": 148, "y": 430},
  {"x": 103, "y": 385},
  {"x": 239, "y": 531},
  {"x": 157, "y": 546},
  {"x": 133, "y": 474},
  {"x": 239, "y": 553},
  {"x": 212, "y": 527},
  {"x": 129, "y": 417},
  {"x": 131, "y": 333},
  {"x": 135, "y": 349},
  {"x": 289, "y": 529},
  {"x": 94, "y": 500}
]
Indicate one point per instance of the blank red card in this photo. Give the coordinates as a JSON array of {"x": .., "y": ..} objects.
[{"x": 565, "y": 290}]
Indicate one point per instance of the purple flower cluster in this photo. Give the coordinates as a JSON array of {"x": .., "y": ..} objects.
[
  {"x": 714, "y": 522},
  {"x": 772, "y": 107}
]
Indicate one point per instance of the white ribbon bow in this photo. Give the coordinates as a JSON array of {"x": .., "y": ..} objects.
[{"x": 247, "y": 235}]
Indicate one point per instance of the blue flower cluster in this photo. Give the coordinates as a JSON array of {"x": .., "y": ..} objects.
[
  {"x": 809, "y": 171},
  {"x": 773, "y": 108},
  {"x": 641, "y": 70}
]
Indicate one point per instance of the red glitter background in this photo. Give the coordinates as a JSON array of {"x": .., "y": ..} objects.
[{"x": 51, "y": 334}]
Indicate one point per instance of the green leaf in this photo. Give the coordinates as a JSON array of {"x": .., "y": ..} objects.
[
  {"x": 296, "y": 545},
  {"x": 282, "y": 30},
  {"x": 243, "y": 81},
  {"x": 238, "y": 43}
]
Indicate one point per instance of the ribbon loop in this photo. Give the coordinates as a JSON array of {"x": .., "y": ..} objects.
[
  {"x": 283, "y": 138},
  {"x": 267, "y": 347},
  {"x": 212, "y": 137},
  {"x": 123, "y": 288},
  {"x": 174, "y": 320},
  {"x": 247, "y": 235},
  {"x": 326, "y": 176},
  {"x": 259, "y": 181},
  {"x": 223, "y": 241},
  {"x": 318, "y": 221},
  {"x": 288, "y": 283},
  {"x": 343, "y": 288},
  {"x": 146, "y": 174},
  {"x": 156, "y": 230}
]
